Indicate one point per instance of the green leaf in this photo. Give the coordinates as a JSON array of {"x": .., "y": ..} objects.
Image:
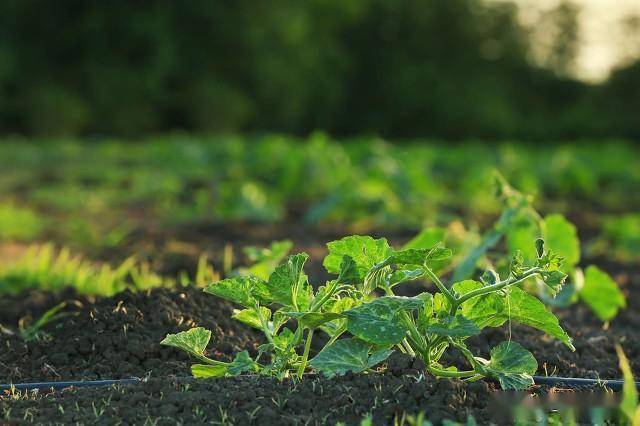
[
  {"x": 239, "y": 290},
  {"x": 364, "y": 250},
  {"x": 377, "y": 278},
  {"x": 512, "y": 365},
  {"x": 519, "y": 237},
  {"x": 629, "y": 403},
  {"x": 251, "y": 317},
  {"x": 426, "y": 238},
  {"x": 401, "y": 275},
  {"x": 484, "y": 311},
  {"x": 425, "y": 314},
  {"x": 554, "y": 280},
  {"x": 314, "y": 319},
  {"x": 516, "y": 267},
  {"x": 288, "y": 285},
  {"x": 490, "y": 277},
  {"x": 242, "y": 363},
  {"x": 562, "y": 237},
  {"x": 601, "y": 293},
  {"x": 416, "y": 256},
  {"x": 380, "y": 275},
  {"x": 348, "y": 271},
  {"x": 346, "y": 355},
  {"x": 379, "y": 321},
  {"x": 284, "y": 340},
  {"x": 201, "y": 371},
  {"x": 193, "y": 341},
  {"x": 337, "y": 306},
  {"x": 454, "y": 326},
  {"x": 493, "y": 310},
  {"x": 266, "y": 259}
]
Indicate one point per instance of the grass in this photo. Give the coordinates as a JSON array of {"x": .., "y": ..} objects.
[{"x": 46, "y": 268}]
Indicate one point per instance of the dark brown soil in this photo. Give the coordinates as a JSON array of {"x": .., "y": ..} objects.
[
  {"x": 386, "y": 397},
  {"x": 115, "y": 337},
  {"x": 261, "y": 400}
]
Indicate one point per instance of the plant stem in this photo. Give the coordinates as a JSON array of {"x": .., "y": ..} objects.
[
  {"x": 316, "y": 306},
  {"x": 209, "y": 360},
  {"x": 414, "y": 334},
  {"x": 469, "y": 356},
  {"x": 305, "y": 355},
  {"x": 408, "y": 347},
  {"x": 497, "y": 286},
  {"x": 455, "y": 374},
  {"x": 264, "y": 325},
  {"x": 434, "y": 278}
]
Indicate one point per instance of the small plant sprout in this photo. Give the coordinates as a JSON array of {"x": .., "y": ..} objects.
[
  {"x": 34, "y": 331},
  {"x": 363, "y": 330},
  {"x": 629, "y": 407}
]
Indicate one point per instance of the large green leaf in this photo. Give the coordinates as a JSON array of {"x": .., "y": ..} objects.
[
  {"x": 193, "y": 341},
  {"x": 512, "y": 365},
  {"x": 453, "y": 326},
  {"x": 493, "y": 310},
  {"x": 416, "y": 256},
  {"x": 601, "y": 293},
  {"x": 251, "y": 316},
  {"x": 364, "y": 250},
  {"x": 241, "y": 290},
  {"x": 346, "y": 355},
  {"x": 314, "y": 319},
  {"x": 561, "y": 236},
  {"x": 379, "y": 321},
  {"x": 288, "y": 285}
]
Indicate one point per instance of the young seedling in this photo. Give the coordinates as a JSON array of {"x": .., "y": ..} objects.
[
  {"x": 629, "y": 406},
  {"x": 517, "y": 226},
  {"x": 34, "y": 331},
  {"x": 363, "y": 330}
]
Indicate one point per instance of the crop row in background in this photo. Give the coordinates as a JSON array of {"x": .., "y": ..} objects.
[{"x": 96, "y": 195}]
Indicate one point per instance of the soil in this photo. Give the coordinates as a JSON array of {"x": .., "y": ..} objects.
[
  {"x": 387, "y": 397},
  {"x": 118, "y": 337},
  {"x": 115, "y": 337}
]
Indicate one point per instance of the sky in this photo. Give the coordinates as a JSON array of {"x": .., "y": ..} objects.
[{"x": 604, "y": 43}]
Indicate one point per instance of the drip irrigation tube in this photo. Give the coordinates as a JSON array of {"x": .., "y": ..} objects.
[{"x": 570, "y": 382}]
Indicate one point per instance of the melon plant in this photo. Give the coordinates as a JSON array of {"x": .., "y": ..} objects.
[{"x": 365, "y": 321}]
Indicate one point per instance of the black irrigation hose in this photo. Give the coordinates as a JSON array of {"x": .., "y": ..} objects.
[{"x": 570, "y": 382}]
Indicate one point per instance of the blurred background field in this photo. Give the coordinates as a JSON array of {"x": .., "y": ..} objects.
[
  {"x": 166, "y": 130},
  {"x": 452, "y": 69}
]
